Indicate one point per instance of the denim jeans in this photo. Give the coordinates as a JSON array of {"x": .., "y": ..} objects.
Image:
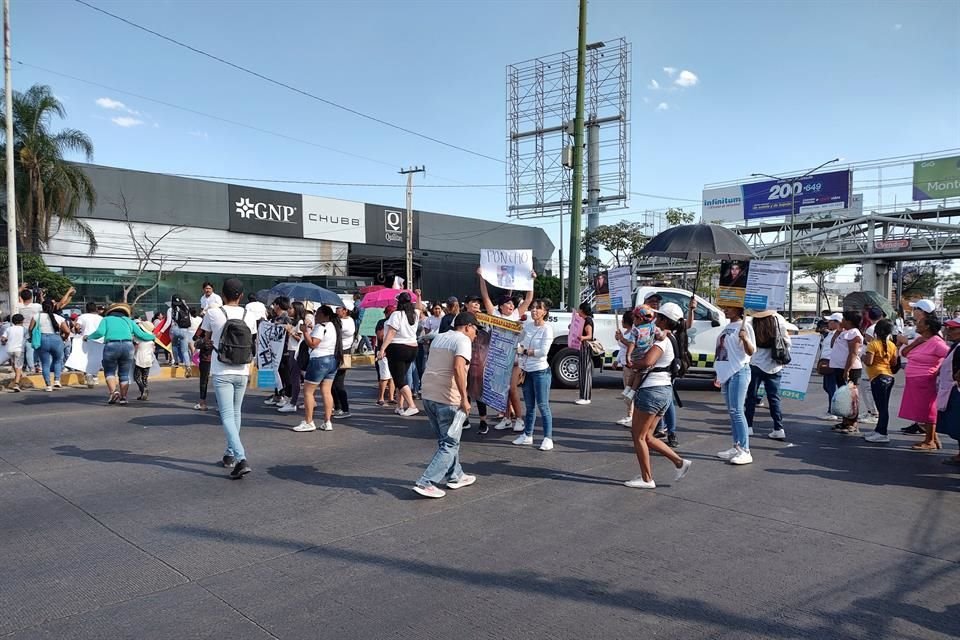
[
  {"x": 118, "y": 360},
  {"x": 830, "y": 386},
  {"x": 881, "y": 387},
  {"x": 771, "y": 387},
  {"x": 445, "y": 464},
  {"x": 181, "y": 346},
  {"x": 536, "y": 395},
  {"x": 413, "y": 378},
  {"x": 51, "y": 355},
  {"x": 735, "y": 394},
  {"x": 28, "y": 352},
  {"x": 669, "y": 419},
  {"x": 229, "y": 390}
]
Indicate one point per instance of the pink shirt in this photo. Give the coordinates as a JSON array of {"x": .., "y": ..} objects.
[{"x": 925, "y": 359}]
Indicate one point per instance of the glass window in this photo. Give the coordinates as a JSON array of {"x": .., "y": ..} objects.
[{"x": 701, "y": 313}]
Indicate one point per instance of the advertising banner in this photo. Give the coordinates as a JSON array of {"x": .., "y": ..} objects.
[
  {"x": 270, "y": 339},
  {"x": 795, "y": 377},
  {"x": 331, "y": 219},
  {"x": 387, "y": 226},
  {"x": 722, "y": 205},
  {"x": 766, "y": 285},
  {"x": 621, "y": 288},
  {"x": 85, "y": 356},
  {"x": 509, "y": 269},
  {"x": 938, "y": 178},
  {"x": 499, "y": 354},
  {"x": 601, "y": 290},
  {"x": 576, "y": 330},
  {"x": 897, "y": 244},
  {"x": 265, "y": 212},
  {"x": 819, "y": 192}
]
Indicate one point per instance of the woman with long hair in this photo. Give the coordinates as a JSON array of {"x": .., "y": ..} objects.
[
  {"x": 533, "y": 349},
  {"x": 180, "y": 334},
  {"x": 52, "y": 329},
  {"x": 297, "y": 316},
  {"x": 655, "y": 393},
  {"x": 924, "y": 356},
  {"x": 341, "y": 401},
  {"x": 767, "y": 327},
  {"x": 880, "y": 357},
  {"x": 586, "y": 354},
  {"x": 735, "y": 344},
  {"x": 400, "y": 349},
  {"x": 326, "y": 356}
]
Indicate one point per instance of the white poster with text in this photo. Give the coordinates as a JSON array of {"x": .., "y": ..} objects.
[
  {"x": 509, "y": 269},
  {"x": 85, "y": 356}
]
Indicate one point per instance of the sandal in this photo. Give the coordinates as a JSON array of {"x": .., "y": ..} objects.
[{"x": 925, "y": 446}]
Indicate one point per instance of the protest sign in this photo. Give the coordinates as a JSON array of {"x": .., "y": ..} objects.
[
  {"x": 499, "y": 355},
  {"x": 766, "y": 285},
  {"x": 576, "y": 330},
  {"x": 795, "y": 377},
  {"x": 85, "y": 356},
  {"x": 270, "y": 341},
  {"x": 621, "y": 288},
  {"x": 601, "y": 290},
  {"x": 733, "y": 283},
  {"x": 508, "y": 268},
  {"x": 368, "y": 321}
]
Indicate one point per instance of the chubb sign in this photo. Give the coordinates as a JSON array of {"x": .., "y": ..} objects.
[{"x": 265, "y": 212}]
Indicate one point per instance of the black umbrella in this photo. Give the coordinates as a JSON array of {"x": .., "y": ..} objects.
[
  {"x": 689, "y": 241},
  {"x": 857, "y": 300}
]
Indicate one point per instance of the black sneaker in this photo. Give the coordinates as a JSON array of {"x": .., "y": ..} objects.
[
  {"x": 228, "y": 461},
  {"x": 672, "y": 440},
  {"x": 660, "y": 434},
  {"x": 344, "y": 414},
  {"x": 240, "y": 470},
  {"x": 912, "y": 430},
  {"x": 483, "y": 429}
]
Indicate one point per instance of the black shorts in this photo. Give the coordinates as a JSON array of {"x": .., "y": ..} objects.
[
  {"x": 854, "y": 376},
  {"x": 399, "y": 358}
]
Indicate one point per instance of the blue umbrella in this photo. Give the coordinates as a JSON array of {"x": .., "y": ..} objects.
[{"x": 305, "y": 292}]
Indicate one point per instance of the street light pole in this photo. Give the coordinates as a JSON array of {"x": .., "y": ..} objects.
[
  {"x": 11, "y": 196},
  {"x": 793, "y": 213}
]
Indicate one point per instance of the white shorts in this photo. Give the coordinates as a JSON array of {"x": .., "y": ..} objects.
[{"x": 383, "y": 371}]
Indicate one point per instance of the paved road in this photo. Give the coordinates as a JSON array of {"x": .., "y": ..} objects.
[{"x": 115, "y": 523}]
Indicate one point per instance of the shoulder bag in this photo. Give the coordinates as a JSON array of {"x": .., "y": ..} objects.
[{"x": 781, "y": 352}]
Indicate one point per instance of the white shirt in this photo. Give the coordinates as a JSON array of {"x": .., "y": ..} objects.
[
  {"x": 143, "y": 354},
  {"x": 28, "y": 311},
  {"x": 660, "y": 378},
  {"x": 257, "y": 310},
  {"x": 206, "y": 301},
  {"x": 515, "y": 315},
  {"x": 406, "y": 332},
  {"x": 431, "y": 324},
  {"x": 438, "y": 383},
  {"x": 14, "y": 335},
  {"x": 214, "y": 323},
  {"x": 348, "y": 329},
  {"x": 841, "y": 349},
  {"x": 763, "y": 357},
  {"x": 88, "y": 324},
  {"x": 538, "y": 341},
  {"x": 945, "y": 383},
  {"x": 195, "y": 324},
  {"x": 327, "y": 334},
  {"x": 44, "y": 321},
  {"x": 731, "y": 356},
  {"x": 825, "y": 347}
]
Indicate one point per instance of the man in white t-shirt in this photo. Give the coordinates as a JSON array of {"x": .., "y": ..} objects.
[
  {"x": 209, "y": 298},
  {"x": 230, "y": 380},
  {"x": 255, "y": 308},
  {"x": 444, "y": 389}
]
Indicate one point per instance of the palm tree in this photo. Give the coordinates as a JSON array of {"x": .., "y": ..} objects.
[{"x": 50, "y": 190}]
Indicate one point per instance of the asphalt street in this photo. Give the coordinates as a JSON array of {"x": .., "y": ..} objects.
[{"x": 116, "y": 522}]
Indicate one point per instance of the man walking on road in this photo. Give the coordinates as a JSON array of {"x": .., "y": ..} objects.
[{"x": 444, "y": 388}]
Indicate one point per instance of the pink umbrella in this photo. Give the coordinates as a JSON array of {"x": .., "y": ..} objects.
[{"x": 383, "y": 297}]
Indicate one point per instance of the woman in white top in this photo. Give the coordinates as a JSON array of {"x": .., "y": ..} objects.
[
  {"x": 768, "y": 326},
  {"x": 534, "y": 346},
  {"x": 510, "y": 311},
  {"x": 735, "y": 344},
  {"x": 400, "y": 349},
  {"x": 829, "y": 336},
  {"x": 845, "y": 360},
  {"x": 348, "y": 329},
  {"x": 326, "y": 356},
  {"x": 52, "y": 328},
  {"x": 655, "y": 395}
]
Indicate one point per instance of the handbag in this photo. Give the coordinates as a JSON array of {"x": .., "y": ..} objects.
[
  {"x": 347, "y": 361},
  {"x": 781, "y": 352},
  {"x": 596, "y": 348},
  {"x": 35, "y": 336},
  {"x": 823, "y": 367}
]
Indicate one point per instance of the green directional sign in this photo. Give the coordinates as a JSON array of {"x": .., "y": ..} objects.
[{"x": 935, "y": 179}]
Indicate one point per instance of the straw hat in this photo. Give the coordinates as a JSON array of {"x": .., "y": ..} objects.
[
  {"x": 764, "y": 314},
  {"x": 119, "y": 306}
]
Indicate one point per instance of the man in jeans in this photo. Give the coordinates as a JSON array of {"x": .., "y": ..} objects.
[
  {"x": 444, "y": 389},
  {"x": 229, "y": 380}
]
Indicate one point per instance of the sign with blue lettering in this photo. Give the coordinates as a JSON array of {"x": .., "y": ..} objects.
[{"x": 819, "y": 192}]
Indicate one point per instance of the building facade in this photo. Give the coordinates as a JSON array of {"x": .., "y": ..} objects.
[{"x": 209, "y": 230}]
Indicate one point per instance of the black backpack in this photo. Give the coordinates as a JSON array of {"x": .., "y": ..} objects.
[
  {"x": 181, "y": 317},
  {"x": 236, "y": 341}
]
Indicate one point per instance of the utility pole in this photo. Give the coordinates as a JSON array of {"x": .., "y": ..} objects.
[
  {"x": 408, "y": 236},
  {"x": 593, "y": 187},
  {"x": 576, "y": 210},
  {"x": 11, "y": 195}
]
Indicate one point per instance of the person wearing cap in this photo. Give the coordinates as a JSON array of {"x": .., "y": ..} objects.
[
  {"x": 919, "y": 402},
  {"x": 767, "y": 327},
  {"x": 654, "y": 394},
  {"x": 444, "y": 389},
  {"x": 453, "y": 308},
  {"x": 948, "y": 388},
  {"x": 473, "y": 304},
  {"x": 829, "y": 334},
  {"x": 735, "y": 344},
  {"x": 118, "y": 330},
  {"x": 845, "y": 361}
]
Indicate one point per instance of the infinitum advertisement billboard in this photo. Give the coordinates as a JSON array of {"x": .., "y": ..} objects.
[{"x": 935, "y": 179}]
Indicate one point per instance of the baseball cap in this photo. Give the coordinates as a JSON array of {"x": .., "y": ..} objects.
[
  {"x": 924, "y": 305},
  {"x": 671, "y": 310},
  {"x": 465, "y": 318},
  {"x": 952, "y": 322},
  {"x": 835, "y": 317},
  {"x": 452, "y": 300}
]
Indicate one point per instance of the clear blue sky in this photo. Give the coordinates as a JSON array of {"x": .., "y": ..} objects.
[{"x": 780, "y": 86}]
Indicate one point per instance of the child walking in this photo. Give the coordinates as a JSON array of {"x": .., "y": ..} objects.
[
  {"x": 143, "y": 360},
  {"x": 204, "y": 346},
  {"x": 13, "y": 338}
]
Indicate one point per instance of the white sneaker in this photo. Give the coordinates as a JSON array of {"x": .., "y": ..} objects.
[
  {"x": 749, "y": 431},
  {"x": 305, "y": 426},
  {"x": 271, "y": 401},
  {"x": 729, "y": 453},
  {"x": 625, "y": 422},
  {"x": 430, "y": 491},
  {"x": 743, "y": 457},
  {"x": 48, "y": 388},
  {"x": 398, "y": 411},
  {"x": 546, "y": 444},
  {"x": 506, "y": 423},
  {"x": 640, "y": 483},
  {"x": 875, "y": 437},
  {"x": 326, "y": 426},
  {"x": 829, "y": 417},
  {"x": 523, "y": 439},
  {"x": 777, "y": 434},
  {"x": 412, "y": 411},
  {"x": 287, "y": 408},
  {"x": 284, "y": 401},
  {"x": 463, "y": 481},
  {"x": 56, "y": 385},
  {"x": 582, "y": 402},
  {"x": 868, "y": 419},
  {"x": 518, "y": 425}
]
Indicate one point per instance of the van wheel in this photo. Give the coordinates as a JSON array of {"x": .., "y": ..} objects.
[{"x": 566, "y": 368}]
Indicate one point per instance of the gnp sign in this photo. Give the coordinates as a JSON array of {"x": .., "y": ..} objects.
[
  {"x": 934, "y": 179},
  {"x": 265, "y": 212}
]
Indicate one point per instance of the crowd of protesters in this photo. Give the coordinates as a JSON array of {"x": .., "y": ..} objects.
[{"x": 423, "y": 353}]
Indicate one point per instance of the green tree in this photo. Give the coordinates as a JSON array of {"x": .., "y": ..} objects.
[
  {"x": 951, "y": 291},
  {"x": 623, "y": 241},
  {"x": 922, "y": 279},
  {"x": 33, "y": 270},
  {"x": 547, "y": 287},
  {"x": 818, "y": 270},
  {"x": 47, "y": 185},
  {"x": 676, "y": 217}
]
